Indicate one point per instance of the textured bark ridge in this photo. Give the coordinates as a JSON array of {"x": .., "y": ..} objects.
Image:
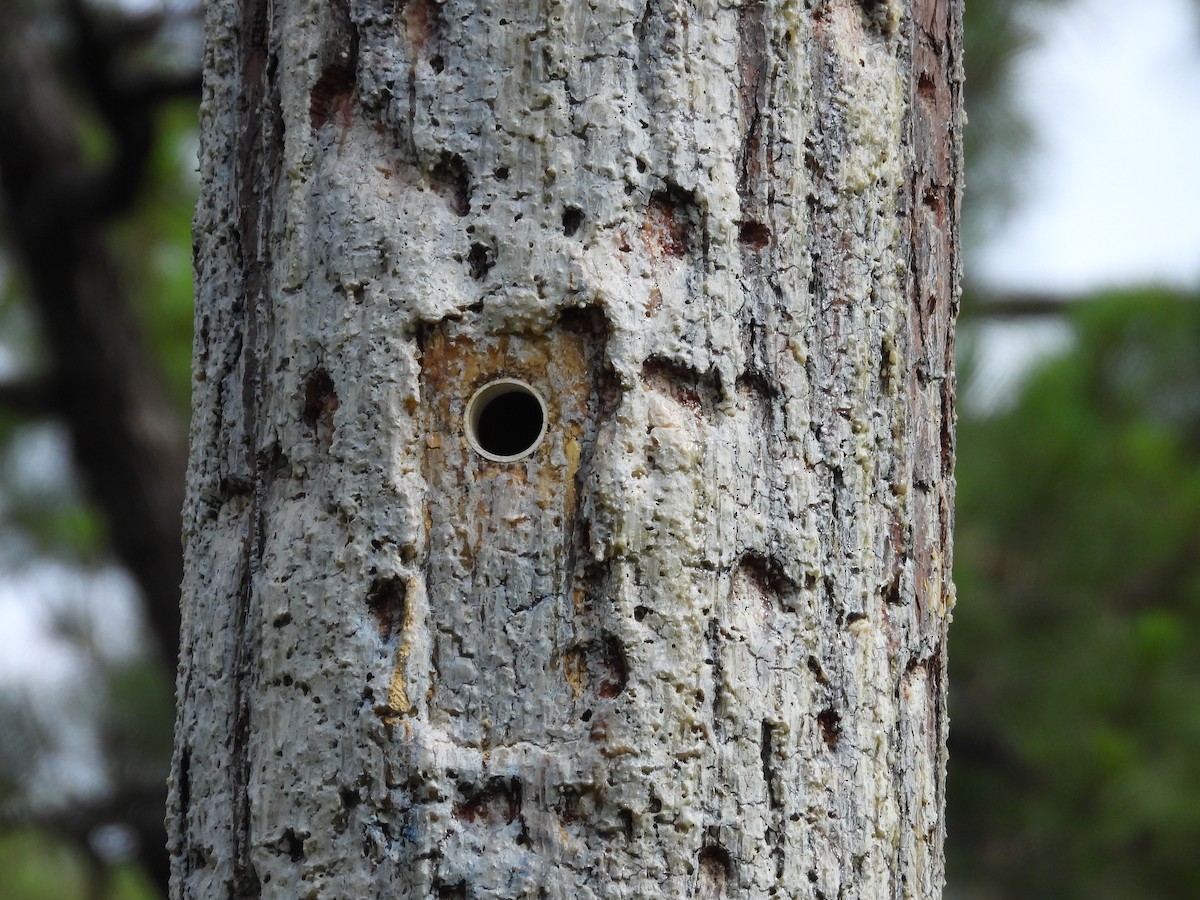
[{"x": 694, "y": 644}]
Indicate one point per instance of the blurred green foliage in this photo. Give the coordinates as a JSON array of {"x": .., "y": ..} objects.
[
  {"x": 36, "y": 866},
  {"x": 154, "y": 246},
  {"x": 137, "y": 726},
  {"x": 1075, "y": 682}
]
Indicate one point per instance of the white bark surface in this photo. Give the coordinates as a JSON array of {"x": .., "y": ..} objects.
[{"x": 693, "y": 646}]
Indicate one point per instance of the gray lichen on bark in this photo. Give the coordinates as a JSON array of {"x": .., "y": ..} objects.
[{"x": 694, "y": 645}]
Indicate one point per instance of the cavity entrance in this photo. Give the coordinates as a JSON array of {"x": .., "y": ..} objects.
[{"x": 505, "y": 420}]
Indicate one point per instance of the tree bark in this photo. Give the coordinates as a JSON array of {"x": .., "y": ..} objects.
[{"x": 693, "y": 643}]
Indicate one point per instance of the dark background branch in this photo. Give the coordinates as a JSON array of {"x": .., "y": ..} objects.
[{"x": 27, "y": 396}]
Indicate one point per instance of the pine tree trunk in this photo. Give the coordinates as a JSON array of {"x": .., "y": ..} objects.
[{"x": 679, "y": 629}]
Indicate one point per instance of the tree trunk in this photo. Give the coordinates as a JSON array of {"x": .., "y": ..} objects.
[{"x": 662, "y": 612}]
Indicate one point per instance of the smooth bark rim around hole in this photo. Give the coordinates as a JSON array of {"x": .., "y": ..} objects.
[{"x": 505, "y": 420}]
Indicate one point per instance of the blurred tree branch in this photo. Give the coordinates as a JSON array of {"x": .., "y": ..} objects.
[
  {"x": 1018, "y": 305},
  {"x": 127, "y": 439},
  {"x": 27, "y": 396}
]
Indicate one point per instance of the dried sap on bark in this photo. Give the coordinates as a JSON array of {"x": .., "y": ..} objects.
[{"x": 503, "y": 537}]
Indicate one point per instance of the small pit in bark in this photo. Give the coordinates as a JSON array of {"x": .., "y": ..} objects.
[
  {"x": 320, "y": 404},
  {"x": 388, "y": 600},
  {"x": 830, "y": 724},
  {"x": 572, "y": 218}
]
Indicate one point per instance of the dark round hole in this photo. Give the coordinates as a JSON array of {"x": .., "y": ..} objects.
[
  {"x": 509, "y": 424},
  {"x": 505, "y": 420},
  {"x": 572, "y": 218}
]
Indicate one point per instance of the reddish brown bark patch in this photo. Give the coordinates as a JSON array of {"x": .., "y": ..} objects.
[
  {"x": 714, "y": 865},
  {"x": 421, "y": 23},
  {"x": 696, "y": 391},
  {"x": 597, "y": 665},
  {"x": 614, "y": 670},
  {"x": 754, "y": 235},
  {"x": 320, "y": 403},
  {"x": 332, "y": 97},
  {"x": 830, "y": 724},
  {"x": 498, "y": 802},
  {"x": 669, "y": 223},
  {"x": 762, "y": 579},
  {"x": 765, "y": 573},
  {"x": 388, "y": 602}
]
